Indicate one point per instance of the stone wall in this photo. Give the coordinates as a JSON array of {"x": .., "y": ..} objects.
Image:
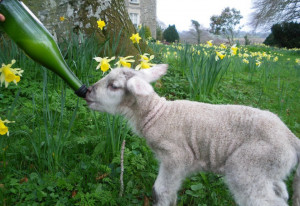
[
  {"x": 147, "y": 12},
  {"x": 148, "y": 15}
]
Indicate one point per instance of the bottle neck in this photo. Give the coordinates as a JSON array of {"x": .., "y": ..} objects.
[{"x": 81, "y": 92}]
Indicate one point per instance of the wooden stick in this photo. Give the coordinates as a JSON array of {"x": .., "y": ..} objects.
[{"x": 122, "y": 169}]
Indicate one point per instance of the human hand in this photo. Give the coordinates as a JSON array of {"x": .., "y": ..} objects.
[{"x": 2, "y": 18}]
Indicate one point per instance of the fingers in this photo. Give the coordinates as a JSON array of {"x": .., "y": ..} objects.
[{"x": 2, "y": 18}]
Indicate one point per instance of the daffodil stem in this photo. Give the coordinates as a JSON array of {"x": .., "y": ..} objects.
[
  {"x": 138, "y": 46},
  {"x": 4, "y": 160}
]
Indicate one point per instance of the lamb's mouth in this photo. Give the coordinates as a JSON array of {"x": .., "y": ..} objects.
[{"x": 88, "y": 101}]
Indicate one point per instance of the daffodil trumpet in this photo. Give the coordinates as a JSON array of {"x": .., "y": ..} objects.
[{"x": 35, "y": 40}]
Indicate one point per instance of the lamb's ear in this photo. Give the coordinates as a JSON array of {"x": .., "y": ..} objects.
[
  {"x": 138, "y": 86},
  {"x": 154, "y": 73}
]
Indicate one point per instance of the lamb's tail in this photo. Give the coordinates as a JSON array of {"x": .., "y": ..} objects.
[{"x": 296, "y": 183}]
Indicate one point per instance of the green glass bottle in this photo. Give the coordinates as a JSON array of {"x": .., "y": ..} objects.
[{"x": 35, "y": 40}]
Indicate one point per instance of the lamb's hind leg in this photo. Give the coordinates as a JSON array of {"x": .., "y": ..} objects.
[
  {"x": 167, "y": 184},
  {"x": 259, "y": 192},
  {"x": 254, "y": 175}
]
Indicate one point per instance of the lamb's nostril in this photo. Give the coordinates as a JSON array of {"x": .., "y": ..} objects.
[{"x": 90, "y": 89}]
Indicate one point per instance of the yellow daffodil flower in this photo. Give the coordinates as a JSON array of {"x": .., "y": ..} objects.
[
  {"x": 223, "y": 46},
  {"x": 158, "y": 42},
  {"x": 125, "y": 61},
  {"x": 103, "y": 63},
  {"x": 220, "y": 55},
  {"x": 245, "y": 55},
  {"x": 233, "y": 50},
  {"x": 62, "y": 18},
  {"x": 275, "y": 59},
  {"x": 297, "y": 61},
  {"x": 258, "y": 63},
  {"x": 9, "y": 74},
  {"x": 145, "y": 62},
  {"x": 246, "y": 61},
  {"x": 209, "y": 43},
  {"x": 146, "y": 58},
  {"x": 144, "y": 65},
  {"x": 3, "y": 127},
  {"x": 135, "y": 38},
  {"x": 101, "y": 24}
]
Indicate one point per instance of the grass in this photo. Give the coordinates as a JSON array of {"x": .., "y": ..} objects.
[{"x": 61, "y": 153}]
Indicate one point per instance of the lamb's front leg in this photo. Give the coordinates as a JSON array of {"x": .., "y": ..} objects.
[{"x": 167, "y": 184}]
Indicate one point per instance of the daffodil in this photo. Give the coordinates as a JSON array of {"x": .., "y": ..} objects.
[
  {"x": 101, "y": 24},
  {"x": 125, "y": 61},
  {"x": 275, "y": 59},
  {"x": 264, "y": 54},
  {"x": 145, "y": 62},
  {"x": 246, "y": 61},
  {"x": 220, "y": 55},
  {"x": 144, "y": 65},
  {"x": 103, "y": 63},
  {"x": 258, "y": 63},
  {"x": 158, "y": 42},
  {"x": 223, "y": 46},
  {"x": 245, "y": 55},
  {"x": 146, "y": 58},
  {"x": 297, "y": 61},
  {"x": 209, "y": 43},
  {"x": 9, "y": 74},
  {"x": 135, "y": 38},
  {"x": 62, "y": 18},
  {"x": 233, "y": 50},
  {"x": 3, "y": 127}
]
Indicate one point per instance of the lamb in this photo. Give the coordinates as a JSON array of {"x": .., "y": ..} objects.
[{"x": 253, "y": 149}]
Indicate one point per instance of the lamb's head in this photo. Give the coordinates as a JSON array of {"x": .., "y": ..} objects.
[{"x": 121, "y": 87}]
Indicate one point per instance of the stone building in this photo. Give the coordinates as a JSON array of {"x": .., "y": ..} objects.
[{"x": 143, "y": 12}]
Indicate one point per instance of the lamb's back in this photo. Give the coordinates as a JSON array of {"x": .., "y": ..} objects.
[{"x": 207, "y": 133}]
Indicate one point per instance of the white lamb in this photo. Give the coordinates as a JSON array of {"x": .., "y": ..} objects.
[{"x": 254, "y": 149}]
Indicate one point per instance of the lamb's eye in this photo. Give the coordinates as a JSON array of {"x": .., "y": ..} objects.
[{"x": 111, "y": 86}]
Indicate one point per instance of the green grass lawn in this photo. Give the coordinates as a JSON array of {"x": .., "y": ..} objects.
[{"x": 61, "y": 153}]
